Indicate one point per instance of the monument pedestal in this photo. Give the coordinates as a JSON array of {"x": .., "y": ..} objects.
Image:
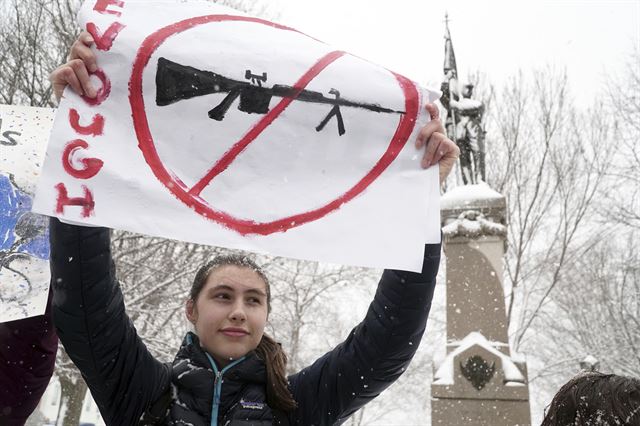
[{"x": 478, "y": 383}]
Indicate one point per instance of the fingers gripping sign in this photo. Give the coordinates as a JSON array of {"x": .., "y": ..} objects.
[
  {"x": 439, "y": 148},
  {"x": 76, "y": 72},
  {"x": 81, "y": 49}
]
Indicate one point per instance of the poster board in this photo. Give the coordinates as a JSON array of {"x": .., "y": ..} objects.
[
  {"x": 24, "y": 238},
  {"x": 219, "y": 128}
]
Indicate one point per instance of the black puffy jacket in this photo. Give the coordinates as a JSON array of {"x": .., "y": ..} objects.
[{"x": 125, "y": 380}]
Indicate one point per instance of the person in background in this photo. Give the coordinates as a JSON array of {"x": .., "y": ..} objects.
[
  {"x": 27, "y": 355},
  {"x": 595, "y": 399}
]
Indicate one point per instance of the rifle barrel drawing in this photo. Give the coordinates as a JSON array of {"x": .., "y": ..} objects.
[{"x": 176, "y": 82}]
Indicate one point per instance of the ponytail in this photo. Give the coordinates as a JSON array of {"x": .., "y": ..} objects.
[{"x": 278, "y": 393}]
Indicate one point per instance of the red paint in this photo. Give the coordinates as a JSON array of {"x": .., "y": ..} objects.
[
  {"x": 103, "y": 92},
  {"x": 189, "y": 195},
  {"x": 102, "y": 5},
  {"x": 63, "y": 200},
  {"x": 259, "y": 127},
  {"x": 90, "y": 166},
  {"x": 94, "y": 129},
  {"x": 104, "y": 41}
]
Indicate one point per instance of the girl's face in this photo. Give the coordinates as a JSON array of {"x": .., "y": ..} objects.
[{"x": 230, "y": 313}]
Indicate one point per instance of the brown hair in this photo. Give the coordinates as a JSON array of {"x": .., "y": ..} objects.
[
  {"x": 278, "y": 393},
  {"x": 595, "y": 399}
]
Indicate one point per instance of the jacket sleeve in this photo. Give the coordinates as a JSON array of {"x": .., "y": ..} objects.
[
  {"x": 27, "y": 357},
  {"x": 89, "y": 315},
  {"x": 375, "y": 353}
]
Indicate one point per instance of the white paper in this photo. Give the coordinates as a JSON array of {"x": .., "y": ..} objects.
[
  {"x": 24, "y": 240},
  {"x": 264, "y": 175}
]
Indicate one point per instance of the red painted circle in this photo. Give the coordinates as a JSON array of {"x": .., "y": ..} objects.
[{"x": 182, "y": 192}]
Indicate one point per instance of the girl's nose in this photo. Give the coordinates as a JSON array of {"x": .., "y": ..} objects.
[{"x": 237, "y": 313}]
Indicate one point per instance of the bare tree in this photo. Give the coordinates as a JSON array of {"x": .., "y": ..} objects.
[
  {"x": 602, "y": 181},
  {"x": 596, "y": 309},
  {"x": 546, "y": 159},
  {"x": 605, "y": 317},
  {"x": 72, "y": 390},
  {"x": 595, "y": 312},
  {"x": 571, "y": 178},
  {"x": 307, "y": 300},
  {"x": 622, "y": 196},
  {"x": 35, "y": 37}
]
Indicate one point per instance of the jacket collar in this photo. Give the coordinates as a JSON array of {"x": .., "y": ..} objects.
[{"x": 194, "y": 377}]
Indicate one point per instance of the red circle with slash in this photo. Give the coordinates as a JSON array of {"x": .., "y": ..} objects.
[{"x": 191, "y": 197}]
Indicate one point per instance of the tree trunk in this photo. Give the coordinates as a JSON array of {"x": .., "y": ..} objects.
[{"x": 72, "y": 396}]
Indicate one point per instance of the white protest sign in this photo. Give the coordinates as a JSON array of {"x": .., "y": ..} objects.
[
  {"x": 24, "y": 238},
  {"x": 229, "y": 130}
]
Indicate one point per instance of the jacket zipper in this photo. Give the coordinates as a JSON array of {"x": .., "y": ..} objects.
[{"x": 217, "y": 386}]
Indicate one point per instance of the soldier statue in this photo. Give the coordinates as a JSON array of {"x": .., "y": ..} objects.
[{"x": 464, "y": 119}]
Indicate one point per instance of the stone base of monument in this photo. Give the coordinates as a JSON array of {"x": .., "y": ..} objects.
[
  {"x": 478, "y": 384},
  {"x": 449, "y": 412}
]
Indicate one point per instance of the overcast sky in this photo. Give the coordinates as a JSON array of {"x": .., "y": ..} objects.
[{"x": 589, "y": 38}]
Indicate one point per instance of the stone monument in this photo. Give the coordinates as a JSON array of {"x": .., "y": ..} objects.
[{"x": 479, "y": 382}]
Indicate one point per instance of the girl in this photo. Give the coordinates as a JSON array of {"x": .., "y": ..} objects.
[{"x": 228, "y": 372}]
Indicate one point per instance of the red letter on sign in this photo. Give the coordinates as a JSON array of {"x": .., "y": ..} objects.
[
  {"x": 103, "y": 92},
  {"x": 94, "y": 129},
  {"x": 91, "y": 166},
  {"x": 101, "y": 6},
  {"x": 85, "y": 202},
  {"x": 104, "y": 41}
]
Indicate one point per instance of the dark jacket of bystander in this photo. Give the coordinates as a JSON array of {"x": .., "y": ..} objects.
[{"x": 27, "y": 355}]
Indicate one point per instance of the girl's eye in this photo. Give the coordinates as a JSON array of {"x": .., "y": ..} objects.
[
  {"x": 254, "y": 301},
  {"x": 222, "y": 296}
]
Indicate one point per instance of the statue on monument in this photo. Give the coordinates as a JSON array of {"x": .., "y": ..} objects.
[{"x": 464, "y": 118}]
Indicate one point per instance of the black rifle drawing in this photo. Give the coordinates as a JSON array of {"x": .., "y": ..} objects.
[{"x": 175, "y": 82}]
